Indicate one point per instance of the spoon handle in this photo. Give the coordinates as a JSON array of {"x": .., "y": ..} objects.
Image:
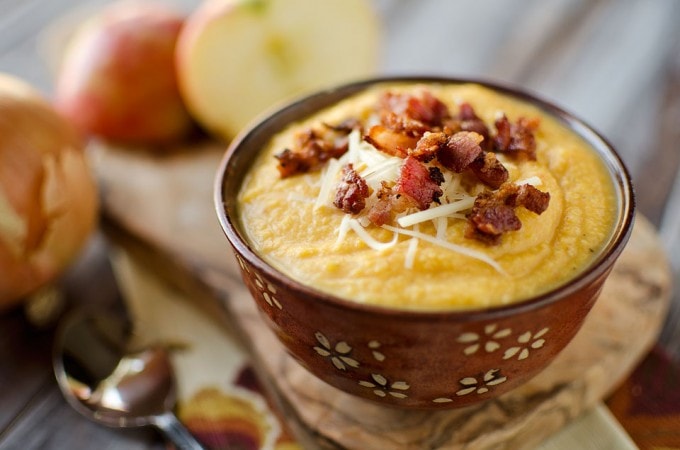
[{"x": 176, "y": 432}]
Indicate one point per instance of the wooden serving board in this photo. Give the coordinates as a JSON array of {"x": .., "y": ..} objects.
[{"x": 165, "y": 201}]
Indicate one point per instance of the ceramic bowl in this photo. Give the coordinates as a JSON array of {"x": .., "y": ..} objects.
[{"x": 406, "y": 358}]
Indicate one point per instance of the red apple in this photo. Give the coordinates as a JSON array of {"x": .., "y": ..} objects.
[{"x": 117, "y": 79}]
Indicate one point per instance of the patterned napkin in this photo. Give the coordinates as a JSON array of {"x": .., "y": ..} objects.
[
  {"x": 219, "y": 397},
  {"x": 648, "y": 403}
]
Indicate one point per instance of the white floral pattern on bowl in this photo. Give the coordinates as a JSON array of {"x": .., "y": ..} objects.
[
  {"x": 338, "y": 354},
  {"x": 491, "y": 378},
  {"x": 479, "y": 385},
  {"x": 527, "y": 341},
  {"x": 489, "y": 339},
  {"x": 382, "y": 387},
  {"x": 267, "y": 290},
  {"x": 374, "y": 346}
]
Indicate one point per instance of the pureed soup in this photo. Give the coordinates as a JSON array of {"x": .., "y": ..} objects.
[{"x": 429, "y": 196}]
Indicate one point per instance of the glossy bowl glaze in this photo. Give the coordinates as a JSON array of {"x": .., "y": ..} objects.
[{"x": 405, "y": 358}]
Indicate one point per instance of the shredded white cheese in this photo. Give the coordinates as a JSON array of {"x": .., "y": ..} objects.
[
  {"x": 441, "y": 224},
  {"x": 436, "y": 212},
  {"x": 343, "y": 229},
  {"x": 449, "y": 246},
  {"x": 360, "y": 151},
  {"x": 368, "y": 239},
  {"x": 375, "y": 167},
  {"x": 534, "y": 181},
  {"x": 329, "y": 179},
  {"x": 387, "y": 170},
  {"x": 411, "y": 251}
]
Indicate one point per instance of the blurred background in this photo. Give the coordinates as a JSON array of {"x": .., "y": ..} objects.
[{"x": 613, "y": 63}]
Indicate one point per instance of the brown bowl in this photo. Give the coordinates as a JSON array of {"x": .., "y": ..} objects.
[{"x": 406, "y": 358}]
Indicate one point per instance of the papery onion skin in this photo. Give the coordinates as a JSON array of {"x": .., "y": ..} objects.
[{"x": 48, "y": 195}]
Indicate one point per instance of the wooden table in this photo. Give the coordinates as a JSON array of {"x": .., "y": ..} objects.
[{"x": 614, "y": 63}]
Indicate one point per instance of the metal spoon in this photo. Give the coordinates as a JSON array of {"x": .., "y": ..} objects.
[{"x": 107, "y": 383}]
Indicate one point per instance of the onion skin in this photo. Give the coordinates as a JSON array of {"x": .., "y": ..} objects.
[{"x": 48, "y": 195}]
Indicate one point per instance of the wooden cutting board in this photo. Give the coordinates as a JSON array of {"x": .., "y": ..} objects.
[{"x": 165, "y": 203}]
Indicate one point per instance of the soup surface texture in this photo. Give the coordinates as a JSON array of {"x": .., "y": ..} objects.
[{"x": 354, "y": 225}]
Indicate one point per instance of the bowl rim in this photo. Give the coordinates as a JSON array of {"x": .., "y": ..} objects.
[{"x": 620, "y": 177}]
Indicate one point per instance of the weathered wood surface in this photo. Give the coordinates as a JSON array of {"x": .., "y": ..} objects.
[{"x": 616, "y": 63}]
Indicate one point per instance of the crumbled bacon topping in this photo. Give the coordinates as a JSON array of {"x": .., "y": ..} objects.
[
  {"x": 420, "y": 129},
  {"x": 352, "y": 191},
  {"x": 389, "y": 141},
  {"x": 460, "y": 150},
  {"x": 346, "y": 126},
  {"x": 529, "y": 197},
  {"x": 311, "y": 149},
  {"x": 404, "y": 124},
  {"x": 424, "y": 107},
  {"x": 389, "y": 204},
  {"x": 494, "y": 211},
  {"x": 490, "y": 170},
  {"x": 404, "y": 119},
  {"x": 417, "y": 187},
  {"x": 516, "y": 137},
  {"x": 467, "y": 120},
  {"x": 487, "y": 223},
  {"x": 427, "y": 146},
  {"x": 416, "y": 182}
]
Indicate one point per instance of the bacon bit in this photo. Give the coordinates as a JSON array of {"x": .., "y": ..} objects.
[
  {"x": 494, "y": 211},
  {"x": 416, "y": 182},
  {"x": 404, "y": 119},
  {"x": 516, "y": 138},
  {"x": 425, "y": 108},
  {"x": 404, "y": 124},
  {"x": 529, "y": 197},
  {"x": 467, "y": 113},
  {"x": 389, "y": 204},
  {"x": 501, "y": 141},
  {"x": 417, "y": 187},
  {"x": 389, "y": 141},
  {"x": 428, "y": 145},
  {"x": 454, "y": 152},
  {"x": 436, "y": 175},
  {"x": 490, "y": 170},
  {"x": 461, "y": 150},
  {"x": 311, "y": 150},
  {"x": 352, "y": 191},
  {"x": 489, "y": 222},
  {"x": 346, "y": 126},
  {"x": 292, "y": 163},
  {"x": 469, "y": 121},
  {"x": 382, "y": 212}
]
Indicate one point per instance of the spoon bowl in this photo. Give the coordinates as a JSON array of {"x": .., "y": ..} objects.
[{"x": 107, "y": 381}]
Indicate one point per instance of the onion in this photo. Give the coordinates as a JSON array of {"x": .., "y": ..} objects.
[{"x": 48, "y": 196}]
